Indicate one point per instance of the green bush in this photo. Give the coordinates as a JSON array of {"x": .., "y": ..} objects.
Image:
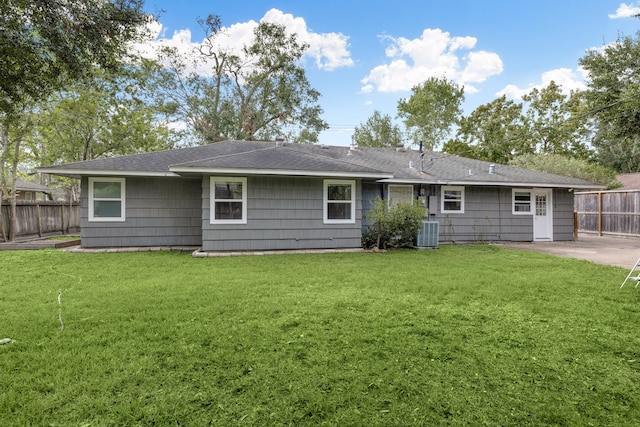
[{"x": 393, "y": 226}]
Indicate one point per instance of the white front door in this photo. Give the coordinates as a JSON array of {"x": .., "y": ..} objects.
[{"x": 543, "y": 215}]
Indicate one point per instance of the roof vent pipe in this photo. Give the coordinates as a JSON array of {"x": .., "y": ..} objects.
[
  {"x": 280, "y": 140},
  {"x": 492, "y": 169},
  {"x": 352, "y": 146},
  {"x": 399, "y": 146}
]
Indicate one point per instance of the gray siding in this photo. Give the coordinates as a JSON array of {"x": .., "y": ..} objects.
[
  {"x": 159, "y": 212},
  {"x": 487, "y": 217},
  {"x": 562, "y": 215},
  {"x": 282, "y": 213},
  {"x": 370, "y": 190}
]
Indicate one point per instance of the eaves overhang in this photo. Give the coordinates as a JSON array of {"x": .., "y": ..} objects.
[
  {"x": 492, "y": 183},
  {"x": 104, "y": 172}
]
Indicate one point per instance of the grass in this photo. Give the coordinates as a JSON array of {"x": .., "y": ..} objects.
[
  {"x": 64, "y": 237},
  {"x": 465, "y": 335}
]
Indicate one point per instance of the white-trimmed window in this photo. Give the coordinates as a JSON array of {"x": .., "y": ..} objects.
[
  {"x": 452, "y": 200},
  {"x": 400, "y": 194},
  {"x": 106, "y": 199},
  {"x": 339, "y": 201},
  {"x": 522, "y": 201},
  {"x": 228, "y": 200}
]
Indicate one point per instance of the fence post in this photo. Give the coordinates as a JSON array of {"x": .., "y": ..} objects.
[
  {"x": 599, "y": 213},
  {"x": 62, "y": 218},
  {"x": 39, "y": 216},
  {"x": 575, "y": 225}
]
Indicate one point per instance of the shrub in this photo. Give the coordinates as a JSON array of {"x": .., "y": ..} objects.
[{"x": 393, "y": 226}]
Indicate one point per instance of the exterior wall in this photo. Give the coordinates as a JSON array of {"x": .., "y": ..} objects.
[
  {"x": 159, "y": 212},
  {"x": 282, "y": 213},
  {"x": 370, "y": 190},
  {"x": 563, "y": 215},
  {"x": 487, "y": 217}
]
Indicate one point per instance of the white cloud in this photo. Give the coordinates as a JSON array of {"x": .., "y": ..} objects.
[
  {"x": 328, "y": 50},
  {"x": 434, "y": 54},
  {"x": 625, "y": 11},
  {"x": 566, "y": 78}
]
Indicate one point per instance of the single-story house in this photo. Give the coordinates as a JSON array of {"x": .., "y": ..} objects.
[
  {"x": 259, "y": 196},
  {"x": 30, "y": 191},
  {"x": 629, "y": 181}
]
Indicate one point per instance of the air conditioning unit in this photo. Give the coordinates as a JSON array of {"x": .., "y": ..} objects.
[{"x": 428, "y": 235}]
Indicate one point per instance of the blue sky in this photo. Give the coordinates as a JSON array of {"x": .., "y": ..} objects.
[{"x": 366, "y": 55}]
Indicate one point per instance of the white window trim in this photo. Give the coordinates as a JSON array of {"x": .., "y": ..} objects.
[
  {"x": 390, "y": 200},
  {"x": 513, "y": 201},
  {"x": 452, "y": 188},
  {"x": 212, "y": 204},
  {"x": 122, "y": 199},
  {"x": 325, "y": 201}
]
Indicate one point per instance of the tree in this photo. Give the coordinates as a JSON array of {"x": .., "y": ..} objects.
[
  {"x": 431, "y": 111},
  {"x": 492, "y": 132},
  {"x": 13, "y": 133},
  {"x": 378, "y": 131},
  {"x": 567, "y": 166},
  {"x": 256, "y": 94},
  {"x": 46, "y": 43},
  {"x": 555, "y": 122},
  {"x": 110, "y": 115},
  {"x": 613, "y": 100}
]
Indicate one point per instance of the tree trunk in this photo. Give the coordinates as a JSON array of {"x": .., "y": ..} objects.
[
  {"x": 13, "y": 215},
  {"x": 4, "y": 147}
]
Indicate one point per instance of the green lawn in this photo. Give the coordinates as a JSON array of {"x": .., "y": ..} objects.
[{"x": 463, "y": 335}]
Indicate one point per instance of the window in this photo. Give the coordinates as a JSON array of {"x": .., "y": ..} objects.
[
  {"x": 400, "y": 194},
  {"x": 521, "y": 202},
  {"x": 106, "y": 199},
  {"x": 339, "y": 202},
  {"x": 452, "y": 199},
  {"x": 228, "y": 200},
  {"x": 541, "y": 205}
]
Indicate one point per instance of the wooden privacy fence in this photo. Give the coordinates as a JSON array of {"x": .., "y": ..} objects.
[
  {"x": 36, "y": 218},
  {"x": 609, "y": 212}
]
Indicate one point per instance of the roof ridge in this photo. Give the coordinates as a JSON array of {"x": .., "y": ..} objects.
[
  {"x": 221, "y": 156},
  {"x": 339, "y": 161}
]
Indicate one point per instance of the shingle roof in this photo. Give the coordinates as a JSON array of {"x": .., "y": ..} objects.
[
  {"x": 629, "y": 181},
  {"x": 249, "y": 157}
]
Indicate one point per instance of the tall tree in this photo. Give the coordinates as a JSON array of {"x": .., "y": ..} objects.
[
  {"x": 45, "y": 43},
  {"x": 431, "y": 111},
  {"x": 613, "y": 98},
  {"x": 256, "y": 94},
  {"x": 13, "y": 134},
  {"x": 493, "y": 132},
  {"x": 555, "y": 122},
  {"x": 110, "y": 115},
  {"x": 378, "y": 131}
]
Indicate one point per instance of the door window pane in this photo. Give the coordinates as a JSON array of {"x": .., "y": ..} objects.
[{"x": 541, "y": 204}]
